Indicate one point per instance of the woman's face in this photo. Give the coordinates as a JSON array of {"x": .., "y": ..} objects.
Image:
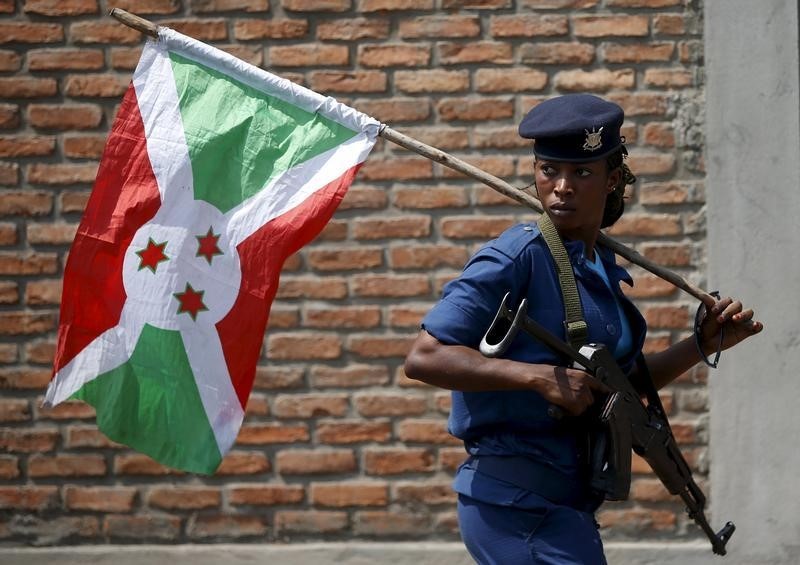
[{"x": 574, "y": 194}]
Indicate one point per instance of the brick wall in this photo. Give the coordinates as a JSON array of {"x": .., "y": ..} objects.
[{"x": 337, "y": 443}]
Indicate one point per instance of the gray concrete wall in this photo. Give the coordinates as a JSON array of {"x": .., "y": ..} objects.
[{"x": 753, "y": 195}]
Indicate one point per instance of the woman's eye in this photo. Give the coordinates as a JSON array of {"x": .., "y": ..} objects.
[
  {"x": 584, "y": 172},
  {"x": 548, "y": 170}
]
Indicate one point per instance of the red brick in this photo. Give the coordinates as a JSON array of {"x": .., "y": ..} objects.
[
  {"x": 397, "y": 169},
  {"x": 669, "y": 24},
  {"x": 474, "y": 52},
  {"x": 406, "y": 317},
  {"x": 24, "y": 379},
  {"x": 9, "y": 294},
  {"x": 273, "y": 377},
  {"x": 316, "y": 5},
  {"x": 668, "y": 78},
  {"x": 27, "y": 32},
  {"x": 65, "y": 59},
  {"x": 51, "y": 234},
  {"x": 62, "y": 173},
  {"x": 434, "y": 80},
  {"x": 26, "y": 323},
  {"x": 380, "y": 346},
  {"x": 125, "y": 58},
  {"x": 100, "y": 499},
  {"x": 498, "y": 80},
  {"x": 427, "y": 256},
  {"x": 207, "y": 6},
  {"x": 342, "y": 317},
  {"x": 475, "y": 109},
  {"x": 227, "y": 528},
  {"x": 73, "y": 200},
  {"x": 9, "y": 60},
  {"x": 303, "y": 346},
  {"x": 431, "y": 197},
  {"x": 599, "y": 80},
  {"x": 557, "y": 53},
  {"x": 310, "y": 405},
  {"x": 406, "y": 226},
  {"x": 441, "y": 137},
  {"x": 14, "y": 410},
  {"x": 264, "y": 495},
  {"x": 649, "y": 286},
  {"x": 96, "y": 85},
  {"x": 467, "y": 227},
  {"x": 253, "y": 54},
  {"x": 391, "y": 523},
  {"x": 315, "y": 55},
  {"x": 136, "y": 464},
  {"x": 425, "y": 493},
  {"x": 30, "y": 498},
  {"x": 390, "y": 285},
  {"x": 264, "y": 434},
  {"x": 649, "y": 490},
  {"x": 353, "y": 431},
  {"x": 316, "y": 461},
  {"x": 394, "y": 55},
  {"x": 499, "y": 138},
  {"x": 672, "y": 255},
  {"x": 250, "y": 30},
  {"x": 60, "y": 7},
  {"x": 425, "y": 431},
  {"x": 398, "y": 109},
  {"x": 528, "y": 25},
  {"x": 184, "y": 498},
  {"x": 440, "y": 26},
  {"x": 643, "y": 3},
  {"x": 659, "y": 134},
  {"x": 88, "y": 436},
  {"x": 9, "y": 467},
  {"x": 150, "y": 6},
  {"x": 394, "y": 5},
  {"x": 327, "y": 288},
  {"x": 8, "y": 351},
  {"x": 87, "y": 32},
  {"x": 65, "y": 116},
  {"x": 67, "y": 410},
  {"x": 355, "y": 376},
  {"x": 388, "y": 404},
  {"x": 637, "y": 519},
  {"x": 338, "y": 259},
  {"x": 142, "y": 528},
  {"x": 203, "y": 29},
  {"x": 26, "y": 145},
  {"x": 63, "y": 465},
  {"x": 477, "y": 4},
  {"x": 353, "y": 29},
  {"x": 84, "y": 146},
  {"x": 243, "y": 463},
  {"x": 451, "y": 457},
  {"x": 364, "y": 197},
  {"x": 393, "y": 461},
  {"x": 9, "y": 174},
  {"x": 670, "y": 317},
  {"x": 647, "y": 224},
  {"x": 638, "y": 53},
  {"x": 641, "y": 104},
  {"x": 610, "y": 26},
  {"x": 9, "y": 116},
  {"x": 352, "y": 493},
  {"x": 27, "y": 87},
  {"x": 314, "y": 522},
  {"x": 348, "y": 81},
  {"x": 8, "y": 233},
  {"x": 651, "y": 163}
]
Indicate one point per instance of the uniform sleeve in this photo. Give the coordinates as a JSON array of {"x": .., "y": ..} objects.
[{"x": 469, "y": 303}]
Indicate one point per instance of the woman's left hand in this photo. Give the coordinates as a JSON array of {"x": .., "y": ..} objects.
[{"x": 729, "y": 315}]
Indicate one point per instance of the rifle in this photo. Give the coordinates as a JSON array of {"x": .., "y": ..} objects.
[{"x": 625, "y": 422}]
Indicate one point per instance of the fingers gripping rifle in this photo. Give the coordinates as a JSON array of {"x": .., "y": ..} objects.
[{"x": 625, "y": 422}]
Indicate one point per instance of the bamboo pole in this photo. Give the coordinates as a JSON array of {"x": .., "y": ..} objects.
[{"x": 501, "y": 186}]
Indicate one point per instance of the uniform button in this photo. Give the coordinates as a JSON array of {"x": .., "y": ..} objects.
[
  {"x": 612, "y": 329},
  {"x": 528, "y": 228}
]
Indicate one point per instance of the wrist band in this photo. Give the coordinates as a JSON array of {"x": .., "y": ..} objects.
[{"x": 698, "y": 320}]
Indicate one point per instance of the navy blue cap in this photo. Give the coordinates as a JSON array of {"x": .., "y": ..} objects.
[{"x": 574, "y": 127}]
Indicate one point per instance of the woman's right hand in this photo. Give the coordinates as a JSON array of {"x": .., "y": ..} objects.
[{"x": 571, "y": 389}]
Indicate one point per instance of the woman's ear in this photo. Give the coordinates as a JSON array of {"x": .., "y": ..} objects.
[{"x": 614, "y": 178}]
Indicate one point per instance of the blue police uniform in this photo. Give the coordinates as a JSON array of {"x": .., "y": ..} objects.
[{"x": 520, "y": 457}]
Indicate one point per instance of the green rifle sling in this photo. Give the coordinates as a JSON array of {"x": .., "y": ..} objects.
[{"x": 577, "y": 329}]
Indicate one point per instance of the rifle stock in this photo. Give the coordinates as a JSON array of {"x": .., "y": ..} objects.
[{"x": 625, "y": 422}]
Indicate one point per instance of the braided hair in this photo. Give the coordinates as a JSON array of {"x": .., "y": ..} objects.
[{"x": 615, "y": 201}]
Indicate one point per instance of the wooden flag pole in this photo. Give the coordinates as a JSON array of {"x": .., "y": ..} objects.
[{"x": 501, "y": 186}]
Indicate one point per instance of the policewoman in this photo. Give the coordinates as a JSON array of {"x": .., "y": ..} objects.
[{"x": 523, "y": 492}]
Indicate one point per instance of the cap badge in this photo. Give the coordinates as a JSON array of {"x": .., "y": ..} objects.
[{"x": 593, "y": 140}]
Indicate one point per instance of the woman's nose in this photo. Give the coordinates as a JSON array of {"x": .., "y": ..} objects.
[{"x": 562, "y": 186}]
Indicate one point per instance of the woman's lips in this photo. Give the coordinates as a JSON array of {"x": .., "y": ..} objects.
[{"x": 561, "y": 209}]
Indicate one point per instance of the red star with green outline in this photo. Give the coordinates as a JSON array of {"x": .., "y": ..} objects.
[
  {"x": 208, "y": 247},
  {"x": 152, "y": 255},
  {"x": 191, "y": 301}
]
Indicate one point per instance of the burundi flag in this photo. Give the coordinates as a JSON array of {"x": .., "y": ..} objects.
[{"x": 213, "y": 174}]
